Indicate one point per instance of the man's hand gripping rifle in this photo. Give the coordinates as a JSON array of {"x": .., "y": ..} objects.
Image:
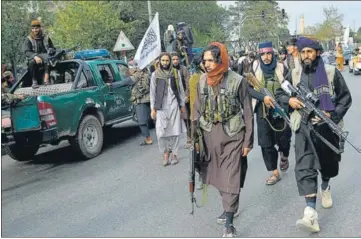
[
  {"x": 310, "y": 99},
  {"x": 194, "y": 164},
  {"x": 252, "y": 80}
]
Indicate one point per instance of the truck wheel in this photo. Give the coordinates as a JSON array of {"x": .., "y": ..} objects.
[
  {"x": 88, "y": 141},
  {"x": 21, "y": 152}
]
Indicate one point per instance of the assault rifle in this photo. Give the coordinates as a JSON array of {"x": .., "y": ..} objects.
[
  {"x": 58, "y": 56},
  {"x": 257, "y": 86},
  {"x": 310, "y": 99},
  {"x": 194, "y": 157}
]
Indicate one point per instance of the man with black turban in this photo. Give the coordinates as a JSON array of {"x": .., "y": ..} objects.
[{"x": 312, "y": 155}]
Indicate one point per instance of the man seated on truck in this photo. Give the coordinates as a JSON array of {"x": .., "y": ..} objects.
[{"x": 36, "y": 48}]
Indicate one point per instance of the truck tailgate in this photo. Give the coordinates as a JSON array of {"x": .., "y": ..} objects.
[{"x": 25, "y": 115}]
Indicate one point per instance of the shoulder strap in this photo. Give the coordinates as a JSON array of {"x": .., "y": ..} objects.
[
  {"x": 330, "y": 72},
  {"x": 279, "y": 72},
  {"x": 33, "y": 42},
  {"x": 296, "y": 76}
]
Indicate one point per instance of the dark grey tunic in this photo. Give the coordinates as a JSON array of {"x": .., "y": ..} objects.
[{"x": 322, "y": 158}]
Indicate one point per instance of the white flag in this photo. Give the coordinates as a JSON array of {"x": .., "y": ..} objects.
[{"x": 149, "y": 48}]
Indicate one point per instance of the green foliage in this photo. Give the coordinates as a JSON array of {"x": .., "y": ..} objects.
[
  {"x": 254, "y": 27},
  {"x": 330, "y": 28},
  {"x": 203, "y": 39},
  {"x": 15, "y": 26},
  {"x": 93, "y": 24}
]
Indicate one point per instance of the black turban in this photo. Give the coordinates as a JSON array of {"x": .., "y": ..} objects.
[{"x": 303, "y": 42}]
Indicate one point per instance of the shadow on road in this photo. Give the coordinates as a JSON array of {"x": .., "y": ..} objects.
[{"x": 65, "y": 155}]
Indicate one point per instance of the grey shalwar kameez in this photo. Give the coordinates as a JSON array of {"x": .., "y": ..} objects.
[
  {"x": 226, "y": 169},
  {"x": 169, "y": 124}
]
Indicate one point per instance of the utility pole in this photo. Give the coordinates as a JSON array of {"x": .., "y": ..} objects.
[{"x": 149, "y": 12}]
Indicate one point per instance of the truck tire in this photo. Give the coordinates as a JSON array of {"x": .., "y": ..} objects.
[
  {"x": 88, "y": 141},
  {"x": 21, "y": 152}
]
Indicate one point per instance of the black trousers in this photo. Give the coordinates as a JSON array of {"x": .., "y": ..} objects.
[
  {"x": 36, "y": 72},
  {"x": 188, "y": 121},
  {"x": 142, "y": 111},
  {"x": 268, "y": 138},
  {"x": 312, "y": 155}
]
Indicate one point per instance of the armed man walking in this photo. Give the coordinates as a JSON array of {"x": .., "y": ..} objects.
[
  {"x": 141, "y": 100},
  {"x": 313, "y": 155},
  {"x": 271, "y": 127},
  {"x": 167, "y": 106},
  {"x": 223, "y": 111},
  {"x": 37, "y": 46},
  {"x": 185, "y": 75}
]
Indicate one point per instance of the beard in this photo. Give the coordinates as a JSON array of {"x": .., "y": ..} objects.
[
  {"x": 310, "y": 65},
  {"x": 164, "y": 68}
]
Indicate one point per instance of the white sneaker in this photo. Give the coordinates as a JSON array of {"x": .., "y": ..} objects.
[
  {"x": 309, "y": 222},
  {"x": 199, "y": 183},
  {"x": 326, "y": 199}
]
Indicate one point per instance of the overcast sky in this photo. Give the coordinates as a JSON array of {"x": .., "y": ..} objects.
[{"x": 313, "y": 13}]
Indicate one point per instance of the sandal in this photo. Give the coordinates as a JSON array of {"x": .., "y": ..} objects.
[
  {"x": 273, "y": 179},
  {"x": 174, "y": 160},
  {"x": 146, "y": 143},
  {"x": 166, "y": 159}
]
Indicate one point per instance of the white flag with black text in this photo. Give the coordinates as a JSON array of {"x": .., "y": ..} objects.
[{"x": 150, "y": 47}]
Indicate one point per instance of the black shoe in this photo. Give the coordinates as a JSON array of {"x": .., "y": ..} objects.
[
  {"x": 35, "y": 84},
  {"x": 230, "y": 232}
]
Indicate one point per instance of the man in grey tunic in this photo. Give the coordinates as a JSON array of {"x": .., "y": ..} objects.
[
  {"x": 223, "y": 112},
  {"x": 167, "y": 106}
]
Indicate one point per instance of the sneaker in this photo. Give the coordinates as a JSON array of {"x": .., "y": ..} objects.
[
  {"x": 35, "y": 84},
  {"x": 326, "y": 199},
  {"x": 199, "y": 183},
  {"x": 222, "y": 218},
  {"x": 309, "y": 222},
  {"x": 230, "y": 232}
]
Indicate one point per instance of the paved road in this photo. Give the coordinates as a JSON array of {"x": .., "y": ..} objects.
[{"x": 125, "y": 192}]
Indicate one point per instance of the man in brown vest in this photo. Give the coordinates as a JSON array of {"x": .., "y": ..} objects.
[
  {"x": 36, "y": 48},
  {"x": 223, "y": 113}
]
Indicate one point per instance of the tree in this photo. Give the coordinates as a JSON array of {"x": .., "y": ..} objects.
[
  {"x": 92, "y": 24},
  {"x": 15, "y": 26},
  {"x": 197, "y": 14},
  {"x": 249, "y": 24},
  {"x": 331, "y": 26}
]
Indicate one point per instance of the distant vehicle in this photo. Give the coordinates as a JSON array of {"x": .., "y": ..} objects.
[{"x": 355, "y": 64}]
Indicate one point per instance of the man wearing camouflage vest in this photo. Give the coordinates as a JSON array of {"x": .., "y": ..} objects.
[
  {"x": 36, "y": 48},
  {"x": 223, "y": 112},
  {"x": 141, "y": 100},
  {"x": 312, "y": 155},
  {"x": 271, "y": 128}
]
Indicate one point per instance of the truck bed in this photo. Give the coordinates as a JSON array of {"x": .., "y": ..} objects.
[{"x": 44, "y": 90}]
